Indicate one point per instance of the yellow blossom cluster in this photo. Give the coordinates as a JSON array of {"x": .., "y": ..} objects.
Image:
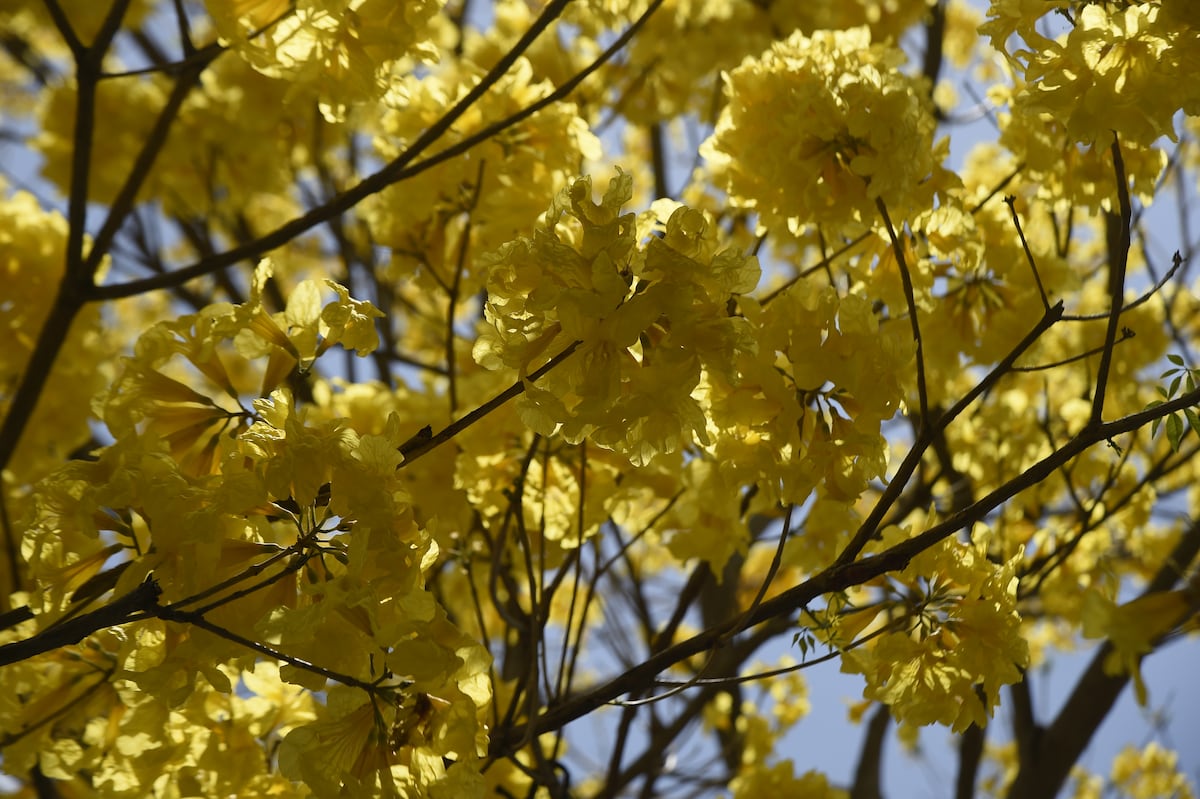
[
  {"x": 32, "y": 256},
  {"x": 945, "y": 661},
  {"x": 856, "y": 129},
  {"x": 646, "y": 317},
  {"x": 506, "y": 180},
  {"x": 350, "y": 48},
  {"x": 1121, "y": 67},
  {"x": 200, "y": 149},
  {"x": 303, "y": 521},
  {"x": 827, "y": 376},
  {"x": 780, "y": 780},
  {"x": 1151, "y": 772}
]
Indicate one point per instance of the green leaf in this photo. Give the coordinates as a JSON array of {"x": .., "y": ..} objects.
[
  {"x": 1174, "y": 431},
  {"x": 1175, "y": 359},
  {"x": 1193, "y": 420}
]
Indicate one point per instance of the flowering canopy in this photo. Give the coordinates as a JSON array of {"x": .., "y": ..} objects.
[{"x": 391, "y": 387}]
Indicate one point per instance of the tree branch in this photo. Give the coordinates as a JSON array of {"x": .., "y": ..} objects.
[
  {"x": 837, "y": 577},
  {"x": 925, "y": 436},
  {"x": 911, "y": 300},
  {"x": 423, "y": 443},
  {"x": 137, "y": 604},
  {"x": 870, "y": 760},
  {"x": 398, "y": 169},
  {"x": 1042, "y": 775}
]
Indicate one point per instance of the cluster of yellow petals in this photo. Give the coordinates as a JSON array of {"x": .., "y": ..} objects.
[
  {"x": 32, "y": 255},
  {"x": 856, "y": 128},
  {"x": 1122, "y": 67},
  {"x": 648, "y": 312},
  {"x": 350, "y": 48},
  {"x": 946, "y": 661},
  {"x": 204, "y": 489}
]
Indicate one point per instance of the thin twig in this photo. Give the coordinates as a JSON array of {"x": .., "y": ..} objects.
[
  {"x": 185, "y": 29},
  {"x": 1011, "y": 202},
  {"x": 822, "y": 264},
  {"x": 576, "y": 561},
  {"x": 455, "y": 287},
  {"x": 772, "y": 570},
  {"x": 911, "y": 300},
  {"x": 454, "y": 428},
  {"x": 65, "y": 30},
  {"x": 198, "y": 620},
  {"x": 123, "y": 203},
  {"x": 1176, "y": 264},
  {"x": 1126, "y": 333},
  {"x": 1118, "y": 246}
]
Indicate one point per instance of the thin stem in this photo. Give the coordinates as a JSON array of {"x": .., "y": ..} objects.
[
  {"x": 295, "y": 565},
  {"x": 827, "y": 260},
  {"x": 454, "y": 428},
  {"x": 1119, "y": 244},
  {"x": 123, "y": 203},
  {"x": 1011, "y": 202},
  {"x": 197, "y": 620},
  {"x": 455, "y": 287},
  {"x": 773, "y": 569},
  {"x": 911, "y": 300},
  {"x": 576, "y": 561},
  {"x": 1126, "y": 333},
  {"x": 822, "y": 264},
  {"x": 65, "y": 30},
  {"x": 1176, "y": 265},
  {"x": 185, "y": 29}
]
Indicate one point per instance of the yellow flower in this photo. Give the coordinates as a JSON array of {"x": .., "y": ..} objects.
[
  {"x": 344, "y": 49},
  {"x": 32, "y": 253},
  {"x": 1133, "y": 628}
]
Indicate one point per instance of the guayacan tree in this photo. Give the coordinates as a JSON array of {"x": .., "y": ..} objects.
[{"x": 447, "y": 398}]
